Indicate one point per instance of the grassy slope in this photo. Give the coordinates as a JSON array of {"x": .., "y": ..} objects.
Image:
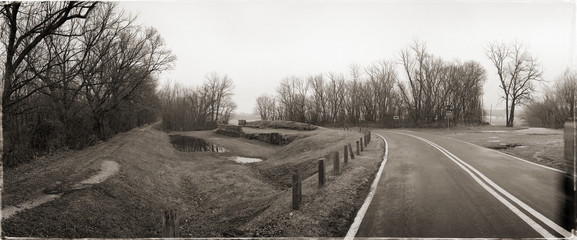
[
  {"x": 326, "y": 211},
  {"x": 214, "y": 197}
]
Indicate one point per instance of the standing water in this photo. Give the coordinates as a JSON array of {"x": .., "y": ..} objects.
[{"x": 192, "y": 144}]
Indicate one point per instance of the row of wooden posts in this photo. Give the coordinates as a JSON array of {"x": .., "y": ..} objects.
[
  {"x": 347, "y": 151},
  {"x": 170, "y": 218}
]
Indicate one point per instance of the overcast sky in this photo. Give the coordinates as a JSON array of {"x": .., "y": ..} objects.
[{"x": 257, "y": 43}]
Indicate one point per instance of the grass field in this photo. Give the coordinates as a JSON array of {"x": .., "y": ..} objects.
[
  {"x": 539, "y": 145},
  {"x": 214, "y": 197}
]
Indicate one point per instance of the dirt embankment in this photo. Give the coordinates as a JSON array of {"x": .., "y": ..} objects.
[{"x": 214, "y": 197}]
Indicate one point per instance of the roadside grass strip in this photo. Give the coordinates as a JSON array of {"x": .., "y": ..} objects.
[
  {"x": 485, "y": 182},
  {"x": 363, "y": 210},
  {"x": 505, "y": 154}
]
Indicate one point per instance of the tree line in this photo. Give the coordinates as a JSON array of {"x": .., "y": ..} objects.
[
  {"x": 74, "y": 73},
  {"x": 197, "y": 108},
  {"x": 376, "y": 94},
  {"x": 557, "y": 104}
]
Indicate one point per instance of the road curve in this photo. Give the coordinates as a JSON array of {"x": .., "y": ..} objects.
[{"x": 439, "y": 187}]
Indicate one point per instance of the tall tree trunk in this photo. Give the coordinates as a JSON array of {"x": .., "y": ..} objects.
[
  {"x": 511, "y": 115},
  {"x": 6, "y": 83},
  {"x": 507, "y": 111}
]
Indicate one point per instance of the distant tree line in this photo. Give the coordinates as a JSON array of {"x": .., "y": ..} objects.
[
  {"x": 375, "y": 94},
  {"x": 74, "y": 73},
  {"x": 200, "y": 108},
  {"x": 557, "y": 104}
]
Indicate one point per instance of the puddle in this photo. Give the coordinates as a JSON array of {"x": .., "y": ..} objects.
[
  {"x": 507, "y": 146},
  {"x": 497, "y": 140},
  {"x": 494, "y": 131},
  {"x": 244, "y": 159},
  {"x": 192, "y": 144}
]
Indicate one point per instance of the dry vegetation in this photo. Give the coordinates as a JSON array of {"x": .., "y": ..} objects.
[
  {"x": 214, "y": 197},
  {"x": 539, "y": 145}
]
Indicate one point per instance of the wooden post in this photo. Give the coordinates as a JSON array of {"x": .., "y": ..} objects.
[
  {"x": 346, "y": 155},
  {"x": 366, "y": 139},
  {"x": 297, "y": 191},
  {"x": 321, "y": 172},
  {"x": 358, "y": 151},
  {"x": 336, "y": 167},
  {"x": 362, "y": 149},
  {"x": 351, "y": 151},
  {"x": 170, "y": 224}
]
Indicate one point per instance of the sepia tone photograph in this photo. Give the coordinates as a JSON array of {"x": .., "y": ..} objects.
[{"x": 250, "y": 119}]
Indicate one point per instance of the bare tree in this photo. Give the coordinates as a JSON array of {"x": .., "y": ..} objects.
[
  {"x": 565, "y": 91},
  {"x": 22, "y": 27},
  {"x": 122, "y": 59},
  {"x": 291, "y": 98},
  {"x": 219, "y": 90},
  {"x": 25, "y": 25},
  {"x": 266, "y": 107},
  {"x": 382, "y": 78},
  {"x": 426, "y": 89},
  {"x": 518, "y": 71},
  {"x": 557, "y": 104},
  {"x": 412, "y": 59},
  {"x": 353, "y": 98},
  {"x": 466, "y": 90},
  {"x": 336, "y": 96},
  {"x": 319, "y": 97}
]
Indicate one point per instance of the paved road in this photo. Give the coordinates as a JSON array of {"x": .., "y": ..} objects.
[{"x": 434, "y": 186}]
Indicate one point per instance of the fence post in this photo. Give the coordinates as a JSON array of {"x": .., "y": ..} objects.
[
  {"x": 351, "y": 151},
  {"x": 358, "y": 151},
  {"x": 336, "y": 167},
  {"x": 321, "y": 173},
  {"x": 362, "y": 149},
  {"x": 370, "y": 136},
  {"x": 366, "y": 139},
  {"x": 170, "y": 224},
  {"x": 346, "y": 155},
  {"x": 297, "y": 191}
]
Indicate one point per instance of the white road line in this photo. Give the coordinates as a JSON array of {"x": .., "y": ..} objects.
[
  {"x": 361, "y": 213},
  {"x": 523, "y": 216},
  {"x": 536, "y": 164},
  {"x": 508, "y": 155},
  {"x": 533, "y": 212}
]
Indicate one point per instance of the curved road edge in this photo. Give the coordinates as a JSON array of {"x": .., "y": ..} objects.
[
  {"x": 361, "y": 213},
  {"x": 502, "y": 195}
]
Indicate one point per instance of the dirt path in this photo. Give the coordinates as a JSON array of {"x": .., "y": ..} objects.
[{"x": 107, "y": 169}]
